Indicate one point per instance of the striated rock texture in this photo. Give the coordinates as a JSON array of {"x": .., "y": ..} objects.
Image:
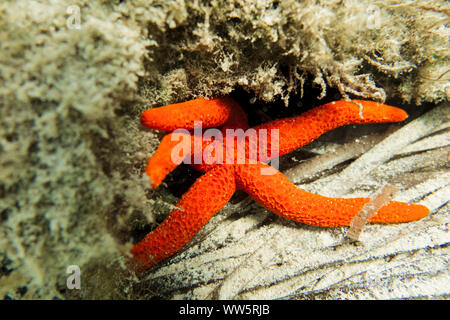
[{"x": 75, "y": 75}]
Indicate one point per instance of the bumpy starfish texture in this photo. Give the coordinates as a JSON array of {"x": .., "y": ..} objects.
[{"x": 274, "y": 191}]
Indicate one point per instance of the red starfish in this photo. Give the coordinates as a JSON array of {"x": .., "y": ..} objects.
[{"x": 274, "y": 191}]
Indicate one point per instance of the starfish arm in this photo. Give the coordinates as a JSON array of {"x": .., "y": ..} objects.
[
  {"x": 212, "y": 113},
  {"x": 298, "y": 131},
  {"x": 204, "y": 199},
  {"x": 237, "y": 118},
  {"x": 169, "y": 154},
  {"x": 279, "y": 195}
]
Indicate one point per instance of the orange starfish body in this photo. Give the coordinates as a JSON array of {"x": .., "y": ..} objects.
[{"x": 274, "y": 191}]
